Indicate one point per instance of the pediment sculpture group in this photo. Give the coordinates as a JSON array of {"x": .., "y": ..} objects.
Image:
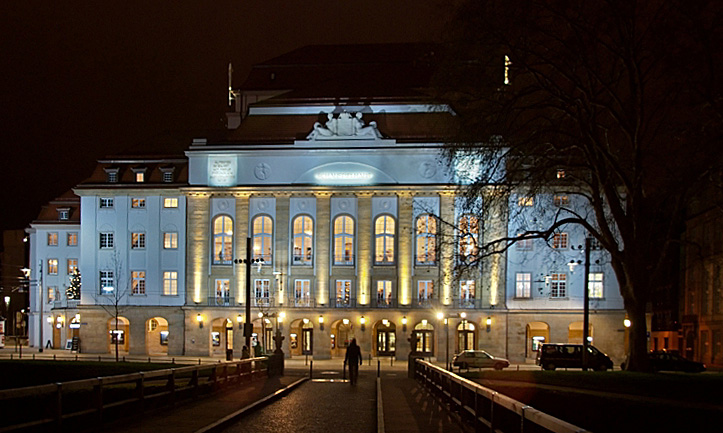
[{"x": 344, "y": 126}]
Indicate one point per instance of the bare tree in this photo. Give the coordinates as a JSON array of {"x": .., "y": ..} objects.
[
  {"x": 113, "y": 298},
  {"x": 613, "y": 101}
]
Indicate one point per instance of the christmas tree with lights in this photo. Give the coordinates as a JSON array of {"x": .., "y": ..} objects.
[{"x": 73, "y": 292}]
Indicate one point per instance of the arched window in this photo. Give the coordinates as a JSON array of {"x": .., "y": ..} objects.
[
  {"x": 262, "y": 235},
  {"x": 426, "y": 227},
  {"x": 468, "y": 237},
  {"x": 384, "y": 230},
  {"x": 222, "y": 240},
  {"x": 303, "y": 234},
  {"x": 343, "y": 240}
]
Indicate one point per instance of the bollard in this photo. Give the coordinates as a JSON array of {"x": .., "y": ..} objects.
[
  {"x": 370, "y": 360},
  {"x": 54, "y": 356},
  {"x": 98, "y": 358},
  {"x": 391, "y": 361},
  {"x": 379, "y": 367},
  {"x": 311, "y": 369},
  {"x": 33, "y": 357},
  {"x": 199, "y": 361}
]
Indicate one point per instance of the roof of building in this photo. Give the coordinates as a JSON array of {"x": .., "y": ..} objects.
[
  {"x": 51, "y": 212},
  {"x": 126, "y": 167}
]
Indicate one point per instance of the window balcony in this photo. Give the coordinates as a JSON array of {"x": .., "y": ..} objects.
[
  {"x": 422, "y": 303},
  {"x": 342, "y": 303},
  {"x": 301, "y": 302},
  {"x": 263, "y": 301},
  {"x": 221, "y": 301},
  {"x": 302, "y": 260},
  {"x": 381, "y": 302},
  {"x": 466, "y": 303}
]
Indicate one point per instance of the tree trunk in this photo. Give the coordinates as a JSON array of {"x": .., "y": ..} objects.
[
  {"x": 637, "y": 356},
  {"x": 116, "y": 338}
]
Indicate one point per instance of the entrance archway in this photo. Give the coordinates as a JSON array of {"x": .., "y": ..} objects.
[
  {"x": 221, "y": 336},
  {"x": 575, "y": 331},
  {"x": 536, "y": 333},
  {"x": 386, "y": 338},
  {"x": 466, "y": 336},
  {"x": 157, "y": 336},
  {"x": 342, "y": 332},
  {"x": 118, "y": 332},
  {"x": 301, "y": 337},
  {"x": 423, "y": 334}
]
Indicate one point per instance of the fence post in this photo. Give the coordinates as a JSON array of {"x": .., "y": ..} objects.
[
  {"x": 99, "y": 400},
  {"x": 58, "y": 405},
  {"x": 141, "y": 391},
  {"x": 172, "y": 386},
  {"x": 311, "y": 369},
  {"x": 379, "y": 367}
]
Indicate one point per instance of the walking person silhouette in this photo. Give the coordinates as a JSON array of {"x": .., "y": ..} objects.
[{"x": 353, "y": 359}]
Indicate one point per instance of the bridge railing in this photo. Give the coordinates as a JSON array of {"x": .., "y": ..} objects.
[
  {"x": 486, "y": 409},
  {"x": 81, "y": 403}
]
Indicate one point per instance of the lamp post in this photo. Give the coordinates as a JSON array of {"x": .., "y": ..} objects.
[
  {"x": 586, "y": 307},
  {"x": 248, "y": 326}
]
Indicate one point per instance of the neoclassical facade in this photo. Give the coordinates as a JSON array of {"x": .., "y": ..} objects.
[{"x": 332, "y": 171}]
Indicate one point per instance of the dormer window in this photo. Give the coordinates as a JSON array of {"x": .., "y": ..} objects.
[
  {"x": 63, "y": 214},
  {"x": 140, "y": 174},
  {"x": 112, "y": 175},
  {"x": 167, "y": 174}
]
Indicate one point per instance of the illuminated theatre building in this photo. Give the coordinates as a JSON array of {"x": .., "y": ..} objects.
[{"x": 332, "y": 167}]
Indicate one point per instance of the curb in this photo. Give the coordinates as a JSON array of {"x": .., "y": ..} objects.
[{"x": 225, "y": 421}]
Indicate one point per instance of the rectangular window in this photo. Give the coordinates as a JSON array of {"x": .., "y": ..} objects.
[
  {"x": 170, "y": 202},
  {"x": 223, "y": 292},
  {"x": 63, "y": 214},
  {"x": 560, "y": 173},
  {"x": 170, "y": 283},
  {"x": 106, "y": 240},
  {"x": 558, "y": 285},
  {"x": 140, "y": 176},
  {"x": 524, "y": 244},
  {"x": 106, "y": 283},
  {"x": 302, "y": 293},
  {"x": 384, "y": 293},
  {"x": 525, "y": 201},
  {"x": 73, "y": 239},
  {"x": 52, "y": 290},
  {"x": 138, "y": 203},
  {"x": 138, "y": 241},
  {"x": 72, "y": 266},
  {"x": 523, "y": 284},
  {"x": 425, "y": 292},
  {"x": 167, "y": 176},
  {"x": 138, "y": 282},
  {"x": 595, "y": 285},
  {"x": 467, "y": 291},
  {"x": 559, "y": 241},
  {"x": 106, "y": 202},
  {"x": 261, "y": 291},
  {"x": 560, "y": 200},
  {"x": 53, "y": 239},
  {"x": 52, "y": 266},
  {"x": 112, "y": 174},
  {"x": 170, "y": 240},
  {"x": 343, "y": 293}
]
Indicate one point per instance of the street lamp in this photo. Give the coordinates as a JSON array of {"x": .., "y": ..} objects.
[{"x": 248, "y": 261}]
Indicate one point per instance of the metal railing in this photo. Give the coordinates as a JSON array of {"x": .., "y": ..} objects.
[
  {"x": 82, "y": 402},
  {"x": 485, "y": 409}
]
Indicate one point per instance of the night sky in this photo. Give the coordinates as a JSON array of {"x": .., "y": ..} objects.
[{"x": 97, "y": 78}]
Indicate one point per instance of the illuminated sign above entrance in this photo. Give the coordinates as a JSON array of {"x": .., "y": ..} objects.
[{"x": 335, "y": 176}]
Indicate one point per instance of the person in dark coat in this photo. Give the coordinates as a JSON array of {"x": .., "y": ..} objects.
[{"x": 353, "y": 359}]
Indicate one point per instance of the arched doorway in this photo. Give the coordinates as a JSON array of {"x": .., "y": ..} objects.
[
  {"x": 386, "y": 338},
  {"x": 307, "y": 337},
  {"x": 221, "y": 336},
  {"x": 423, "y": 335},
  {"x": 536, "y": 333},
  {"x": 157, "y": 336},
  {"x": 341, "y": 334},
  {"x": 118, "y": 334},
  {"x": 575, "y": 331},
  {"x": 466, "y": 336}
]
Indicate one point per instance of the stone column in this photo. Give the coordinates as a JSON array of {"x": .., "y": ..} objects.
[
  {"x": 405, "y": 254},
  {"x": 241, "y": 232},
  {"x": 282, "y": 242},
  {"x": 322, "y": 247},
  {"x": 365, "y": 250},
  {"x": 197, "y": 252},
  {"x": 447, "y": 245}
]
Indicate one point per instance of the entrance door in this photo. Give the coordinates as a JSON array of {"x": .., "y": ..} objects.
[
  {"x": 307, "y": 342},
  {"x": 425, "y": 341}
]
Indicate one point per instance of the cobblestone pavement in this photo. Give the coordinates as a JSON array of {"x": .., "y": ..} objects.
[{"x": 320, "y": 405}]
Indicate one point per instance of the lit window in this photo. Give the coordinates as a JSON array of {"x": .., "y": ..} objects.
[
  {"x": 524, "y": 244},
  {"x": 170, "y": 240},
  {"x": 343, "y": 293},
  {"x": 222, "y": 240},
  {"x": 170, "y": 202},
  {"x": 468, "y": 237},
  {"x": 508, "y": 63},
  {"x": 223, "y": 292},
  {"x": 523, "y": 284},
  {"x": 303, "y": 234},
  {"x": 560, "y": 200},
  {"x": 106, "y": 202},
  {"x": 52, "y": 290},
  {"x": 384, "y": 230},
  {"x": 559, "y": 241},
  {"x": 595, "y": 285},
  {"x": 138, "y": 203},
  {"x": 426, "y": 240},
  {"x": 138, "y": 282},
  {"x": 560, "y": 173},
  {"x": 106, "y": 282},
  {"x": 467, "y": 291},
  {"x": 263, "y": 232},
  {"x": 384, "y": 293},
  {"x": 262, "y": 295},
  {"x": 425, "y": 292},
  {"x": 302, "y": 293},
  {"x": 52, "y": 266},
  {"x": 558, "y": 285},
  {"x": 72, "y": 266},
  {"x": 170, "y": 283},
  {"x": 53, "y": 239},
  {"x": 63, "y": 214},
  {"x": 140, "y": 174},
  {"x": 106, "y": 240},
  {"x": 72, "y": 239},
  {"x": 525, "y": 201},
  {"x": 138, "y": 240},
  {"x": 343, "y": 240}
]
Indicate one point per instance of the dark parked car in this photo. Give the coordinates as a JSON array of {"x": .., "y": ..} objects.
[
  {"x": 668, "y": 361},
  {"x": 551, "y": 356}
]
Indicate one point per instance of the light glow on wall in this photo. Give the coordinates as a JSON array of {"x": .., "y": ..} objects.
[
  {"x": 494, "y": 280},
  {"x": 360, "y": 176}
]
